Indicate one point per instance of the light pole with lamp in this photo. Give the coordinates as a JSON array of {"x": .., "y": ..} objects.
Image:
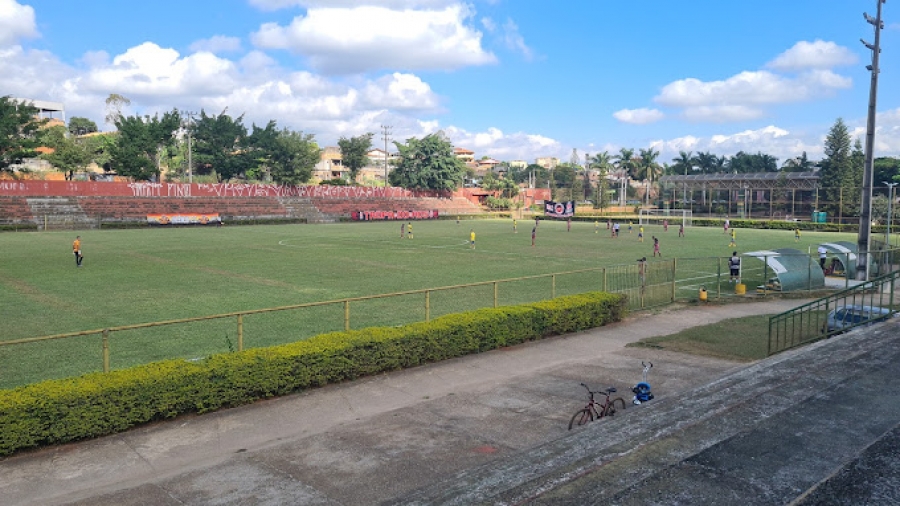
[{"x": 887, "y": 234}]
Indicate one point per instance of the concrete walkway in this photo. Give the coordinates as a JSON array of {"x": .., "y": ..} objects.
[{"x": 484, "y": 428}]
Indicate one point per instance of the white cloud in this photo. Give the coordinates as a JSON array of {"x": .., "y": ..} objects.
[
  {"x": 641, "y": 116},
  {"x": 16, "y": 22},
  {"x": 217, "y": 44},
  {"x": 722, "y": 113},
  {"x": 489, "y": 24},
  {"x": 515, "y": 41},
  {"x": 813, "y": 55},
  {"x": 752, "y": 88},
  {"x": 497, "y": 144},
  {"x": 400, "y": 92},
  {"x": 148, "y": 71},
  {"x": 349, "y": 40}
]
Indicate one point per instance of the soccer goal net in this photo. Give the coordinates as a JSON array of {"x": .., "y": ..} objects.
[{"x": 659, "y": 216}]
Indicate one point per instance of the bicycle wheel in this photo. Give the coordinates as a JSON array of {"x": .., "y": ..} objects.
[{"x": 581, "y": 417}]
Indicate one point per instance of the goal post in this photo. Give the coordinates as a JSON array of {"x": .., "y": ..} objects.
[{"x": 658, "y": 216}]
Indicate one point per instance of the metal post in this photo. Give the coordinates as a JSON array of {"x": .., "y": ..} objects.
[
  {"x": 553, "y": 287},
  {"x": 240, "y": 332},
  {"x": 105, "y": 350},
  {"x": 496, "y": 292},
  {"x": 605, "y": 287},
  {"x": 346, "y": 315},
  {"x": 718, "y": 278},
  {"x": 865, "y": 219},
  {"x": 887, "y": 233},
  {"x": 427, "y": 306},
  {"x": 674, "y": 272}
]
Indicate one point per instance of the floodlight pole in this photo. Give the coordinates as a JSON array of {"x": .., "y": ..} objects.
[{"x": 865, "y": 219}]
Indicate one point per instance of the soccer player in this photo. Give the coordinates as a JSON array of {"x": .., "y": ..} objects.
[
  {"x": 515, "y": 226},
  {"x": 629, "y": 227},
  {"x": 656, "y": 247},
  {"x": 409, "y": 234},
  {"x": 641, "y": 233},
  {"x": 472, "y": 238},
  {"x": 569, "y": 225},
  {"x": 665, "y": 225},
  {"x": 402, "y": 230},
  {"x": 76, "y": 249},
  {"x": 596, "y": 226},
  {"x": 797, "y": 235},
  {"x": 533, "y": 234},
  {"x": 733, "y": 243},
  {"x": 726, "y": 225},
  {"x": 457, "y": 219},
  {"x": 681, "y": 230},
  {"x": 616, "y": 230}
]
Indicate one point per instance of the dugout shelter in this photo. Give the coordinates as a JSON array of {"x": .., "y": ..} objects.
[
  {"x": 788, "y": 269},
  {"x": 840, "y": 259}
]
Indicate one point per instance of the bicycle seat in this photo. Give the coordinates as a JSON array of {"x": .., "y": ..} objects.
[{"x": 611, "y": 390}]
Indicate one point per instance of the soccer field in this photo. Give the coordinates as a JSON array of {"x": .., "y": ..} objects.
[{"x": 137, "y": 276}]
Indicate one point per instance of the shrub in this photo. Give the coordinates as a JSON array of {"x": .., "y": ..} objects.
[{"x": 92, "y": 405}]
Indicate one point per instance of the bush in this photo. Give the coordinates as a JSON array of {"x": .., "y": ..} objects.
[{"x": 92, "y": 405}]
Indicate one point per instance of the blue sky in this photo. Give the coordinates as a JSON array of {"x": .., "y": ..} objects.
[{"x": 511, "y": 79}]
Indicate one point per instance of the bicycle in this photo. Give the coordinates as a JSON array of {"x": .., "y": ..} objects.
[{"x": 595, "y": 410}]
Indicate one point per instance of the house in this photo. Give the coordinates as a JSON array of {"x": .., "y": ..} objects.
[
  {"x": 548, "y": 162},
  {"x": 330, "y": 165},
  {"x": 517, "y": 164},
  {"x": 464, "y": 154}
]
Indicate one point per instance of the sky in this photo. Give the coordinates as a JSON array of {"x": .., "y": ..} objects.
[{"x": 509, "y": 79}]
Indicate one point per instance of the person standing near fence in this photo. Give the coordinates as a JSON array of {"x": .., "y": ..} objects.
[
  {"x": 822, "y": 253},
  {"x": 76, "y": 249},
  {"x": 734, "y": 267}
]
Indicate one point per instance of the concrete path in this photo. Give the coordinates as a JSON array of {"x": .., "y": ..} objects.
[{"x": 425, "y": 435}]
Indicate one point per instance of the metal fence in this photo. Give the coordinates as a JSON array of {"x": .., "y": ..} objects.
[
  {"x": 647, "y": 284},
  {"x": 844, "y": 310}
]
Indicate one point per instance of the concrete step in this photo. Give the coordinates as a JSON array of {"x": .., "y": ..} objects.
[{"x": 774, "y": 431}]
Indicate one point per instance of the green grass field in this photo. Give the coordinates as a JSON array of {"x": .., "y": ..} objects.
[{"x": 146, "y": 275}]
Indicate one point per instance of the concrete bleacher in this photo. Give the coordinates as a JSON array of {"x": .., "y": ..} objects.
[
  {"x": 137, "y": 208},
  {"x": 15, "y": 210}
]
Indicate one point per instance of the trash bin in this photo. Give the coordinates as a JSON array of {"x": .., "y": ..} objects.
[
  {"x": 740, "y": 289},
  {"x": 703, "y": 294}
]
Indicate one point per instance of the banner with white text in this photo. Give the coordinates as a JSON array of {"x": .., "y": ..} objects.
[
  {"x": 559, "y": 209},
  {"x": 183, "y": 219},
  {"x": 431, "y": 214}
]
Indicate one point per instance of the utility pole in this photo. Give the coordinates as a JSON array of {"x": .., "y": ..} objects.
[
  {"x": 865, "y": 219},
  {"x": 190, "y": 124},
  {"x": 386, "y": 135}
]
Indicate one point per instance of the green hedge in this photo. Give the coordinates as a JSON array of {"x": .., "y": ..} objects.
[{"x": 92, "y": 405}]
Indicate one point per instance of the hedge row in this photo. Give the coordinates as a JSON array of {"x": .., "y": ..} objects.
[{"x": 92, "y": 405}]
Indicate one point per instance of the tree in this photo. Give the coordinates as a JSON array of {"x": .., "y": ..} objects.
[
  {"x": 427, "y": 163},
  {"x": 836, "y": 166},
  {"x": 296, "y": 156},
  {"x": 221, "y": 146},
  {"x": 353, "y": 153},
  {"x": 140, "y": 143},
  {"x": 798, "y": 164},
  {"x": 624, "y": 161},
  {"x": 114, "y": 105},
  {"x": 68, "y": 156},
  {"x": 18, "y": 128},
  {"x": 81, "y": 126},
  {"x": 887, "y": 169},
  {"x": 683, "y": 164},
  {"x": 648, "y": 168},
  {"x": 602, "y": 162},
  {"x": 705, "y": 162}
]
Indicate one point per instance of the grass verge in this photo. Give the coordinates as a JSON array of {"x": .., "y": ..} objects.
[{"x": 738, "y": 339}]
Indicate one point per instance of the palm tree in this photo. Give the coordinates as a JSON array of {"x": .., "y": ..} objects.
[
  {"x": 602, "y": 162},
  {"x": 683, "y": 163},
  {"x": 649, "y": 168},
  {"x": 625, "y": 160},
  {"x": 706, "y": 162}
]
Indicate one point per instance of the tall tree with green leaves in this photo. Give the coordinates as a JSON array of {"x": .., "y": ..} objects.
[
  {"x": 683, "y": 164},
  {"x": 221, "y": 146},
  {"x": 69, "y": 156},
  {"x": 18, "y": 132},
  {"x": 295, "y": 157},
  {"x": 81, "y": 126},
  {"x": 427, "y": 163},
  {"x": 625, "y": 161},
  {"x": 353, "y": 153},
  {"x": 602, "y": 163},
  {"x": 836, "y": 168},
  {"x": 140, "y": 143}
]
